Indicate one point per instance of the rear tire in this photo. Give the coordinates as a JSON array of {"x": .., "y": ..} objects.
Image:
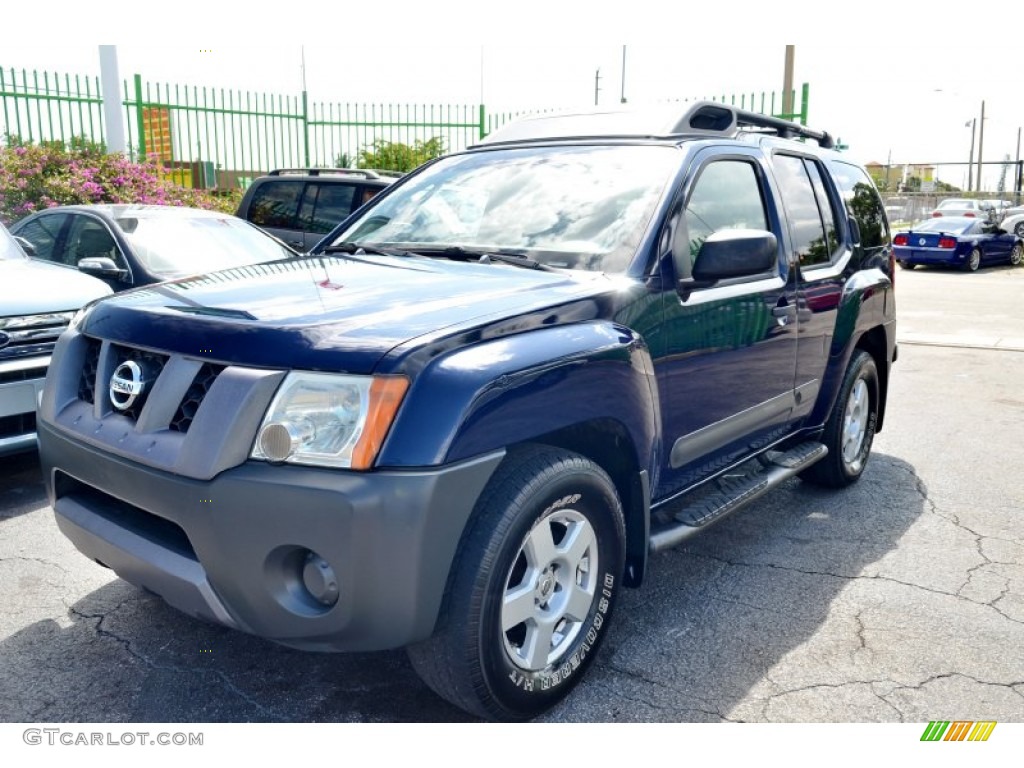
[
  {"x": 906, "y": 265},
  {"x": 973, "y": 260},
  {"x": 1017, "y": 255},
  {"x": 531, "y": 590},
  {"x": 850, "y": 428}
]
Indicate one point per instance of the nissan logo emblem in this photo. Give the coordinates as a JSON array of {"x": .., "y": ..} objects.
[
  {"x": 922, "y": 241},
  {"x": 127, "y": 385}
]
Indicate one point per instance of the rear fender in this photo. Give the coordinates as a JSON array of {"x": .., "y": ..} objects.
[{"x": 867, "y": 305}]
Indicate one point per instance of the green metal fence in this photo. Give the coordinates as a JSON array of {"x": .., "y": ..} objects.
[{"x": 206, "y": 137}]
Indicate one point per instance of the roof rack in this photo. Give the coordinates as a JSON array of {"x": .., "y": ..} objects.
[
  {"x": 364, "y": 172},
  {"x": 702, "y": 118}
]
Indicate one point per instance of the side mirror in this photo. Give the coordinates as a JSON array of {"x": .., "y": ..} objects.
[
  {"x": 735, "y": 253},
  {"x": 26, "y": 246},
  {"x": 101, "y": 266}
]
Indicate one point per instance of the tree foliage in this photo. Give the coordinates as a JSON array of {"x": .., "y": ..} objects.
[{"x": 396, "y": 156}]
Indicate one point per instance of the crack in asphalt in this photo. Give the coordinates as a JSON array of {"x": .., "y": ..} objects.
[
  {"x": 644, "y": 679},
  {"x": 979, "y": 542},
  {"x": 1011, "y": 686},
  {"x": 867, "y": 684},
  {"x": 127, "y": 645},
  {"x": 40, "y": 560}
]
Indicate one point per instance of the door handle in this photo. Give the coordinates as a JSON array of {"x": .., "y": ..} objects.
[{"x": 784, "y": 312}]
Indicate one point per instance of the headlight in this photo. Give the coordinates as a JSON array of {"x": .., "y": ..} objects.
[{"x": 329, "y": 420}]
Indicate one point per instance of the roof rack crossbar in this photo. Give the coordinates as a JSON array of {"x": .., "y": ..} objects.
[{"x": 784, "y": 128}]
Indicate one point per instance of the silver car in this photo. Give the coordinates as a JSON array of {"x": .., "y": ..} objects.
[{"x": 37, "y": 301}]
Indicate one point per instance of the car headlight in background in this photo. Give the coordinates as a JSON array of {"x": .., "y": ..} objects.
[{"x": 329, "y": 420}]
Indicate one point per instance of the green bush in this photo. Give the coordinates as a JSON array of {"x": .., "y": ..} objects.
[
  {"x": 36, "y": 176},
  {"x": 395, "y": 156}
]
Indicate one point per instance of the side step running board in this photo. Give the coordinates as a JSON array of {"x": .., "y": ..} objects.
[{"x": 736, "y": 494}]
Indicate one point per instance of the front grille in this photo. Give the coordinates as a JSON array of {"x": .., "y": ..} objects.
[
  {"x": 87, "y": 381},
  {"x": 33, "y": 330},
  {"x": 201, "y": 384},
  {"x": 7, "y": 377},
  {"x": 152, "y": 362},
  {"x": 17, "y": 425}
]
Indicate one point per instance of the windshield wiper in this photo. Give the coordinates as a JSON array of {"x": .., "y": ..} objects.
[
  {"x": 357, "y": 248},
  {"x": 483, "y": 256},
  {"x": 516, "y": 260}
]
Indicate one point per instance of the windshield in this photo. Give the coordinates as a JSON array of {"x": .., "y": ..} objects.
[
  {"x": 9, "y": 249},
  {"x": 576, "y": 207},
  {"x": 173, "y": 246}
]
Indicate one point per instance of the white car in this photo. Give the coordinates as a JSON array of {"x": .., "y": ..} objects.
[
  {"x": 37, "y": 301},
  {"x": 1013, "y": 223},
  {"x": 972, "y": 209}
]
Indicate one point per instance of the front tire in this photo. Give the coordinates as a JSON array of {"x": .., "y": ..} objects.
[
  {"x": 531, "y": 590},
  {"x": 1017, "y": 255},
  {"x": 1018, "y": 229},
  {"x": 850, "y": 428}
]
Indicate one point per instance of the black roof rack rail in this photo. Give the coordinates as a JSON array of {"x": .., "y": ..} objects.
[
  {"x": 708, "y": 118},
  {"x": 364, "y": 172}
]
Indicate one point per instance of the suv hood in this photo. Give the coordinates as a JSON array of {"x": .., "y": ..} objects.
[
  {"x": 30, "y": 287},
  {"x": 326, "y": 313}
]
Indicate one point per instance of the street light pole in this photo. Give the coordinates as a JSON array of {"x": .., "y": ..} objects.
[
  {"x": 597, "y": 87},
  {"x": 622, "y": 99}
]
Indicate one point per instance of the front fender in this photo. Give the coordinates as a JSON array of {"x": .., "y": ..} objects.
[{"x": 513, "y": 389}]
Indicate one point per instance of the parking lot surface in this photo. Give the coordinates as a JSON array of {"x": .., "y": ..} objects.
[{"x": 900, "y": 599}]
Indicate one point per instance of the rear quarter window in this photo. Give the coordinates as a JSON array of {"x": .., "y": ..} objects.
[{"x": 862, "y": 202}]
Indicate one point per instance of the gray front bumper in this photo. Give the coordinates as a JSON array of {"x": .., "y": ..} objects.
[{"x": 226, "y": 549}]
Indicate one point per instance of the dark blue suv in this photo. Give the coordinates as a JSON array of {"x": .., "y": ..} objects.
[{"x": 463, "y": 422}]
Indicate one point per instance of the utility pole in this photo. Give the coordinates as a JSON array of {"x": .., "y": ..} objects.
[
  {"x": 597, "y": 87},
  {"x": 1018, "y": 167},
  {"x": 787, "y": 83},
  {"x": 110, "y": 87},
  {"x": 622, "y": 100},
  {"x": 970, "y": 159},
  {"x": 981, "y": 143}
]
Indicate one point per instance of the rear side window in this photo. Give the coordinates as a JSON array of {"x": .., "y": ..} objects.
[
  {"x": 863, "y": 203},
  {"x": 275, "y": 204},
  {"x": 810, "y": 212},
  {"x": 324, "y": 207}
]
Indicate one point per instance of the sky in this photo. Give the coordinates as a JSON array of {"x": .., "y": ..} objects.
[{"x": 890, "y": 83}]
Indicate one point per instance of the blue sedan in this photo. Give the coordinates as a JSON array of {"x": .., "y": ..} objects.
[{"x": 956, "y": 241}]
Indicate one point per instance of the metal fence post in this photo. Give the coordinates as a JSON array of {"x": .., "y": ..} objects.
[
  {"x": 483, "y": 121},
  {"x": 805, "y": 93},
  {"x": 305, "y": 125},
  {"x": 139, "y": 119}
]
